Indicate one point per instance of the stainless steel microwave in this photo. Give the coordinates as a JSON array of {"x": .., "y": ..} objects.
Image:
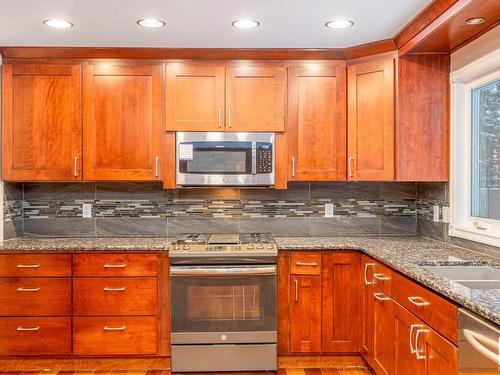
[{"x": 225, "y": 159}]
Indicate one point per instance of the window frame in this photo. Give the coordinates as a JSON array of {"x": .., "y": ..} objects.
[{"x": 463, "y": 81}]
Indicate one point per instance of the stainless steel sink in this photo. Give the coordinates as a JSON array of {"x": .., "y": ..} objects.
[{"x": 472, "y": 277}]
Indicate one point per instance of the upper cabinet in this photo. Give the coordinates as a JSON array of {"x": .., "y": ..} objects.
[
  {"x": 370, "y": 119},
  {"x": 225, "y": 97},
  {"x": 317, "y": 122},
  {"x": 122, "y": 122},
  {"x": 41, "y": 122}
]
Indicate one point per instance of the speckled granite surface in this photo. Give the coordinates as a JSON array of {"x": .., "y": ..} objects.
[
  {"x": 408, "y": 255},
  {"x": 86, "y": 244}
]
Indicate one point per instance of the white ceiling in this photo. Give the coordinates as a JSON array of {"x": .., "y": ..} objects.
[{"x": 203, "y": 23}]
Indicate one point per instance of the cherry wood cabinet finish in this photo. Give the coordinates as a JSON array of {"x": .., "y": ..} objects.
[
  {"x": 340, "y": 302},
  {"x": 441, "y": 356},
  {"x": 122, "y": 122},
  {"x": 41, "y": 122},
  {"x": 35, "y": 296},
  {"x": 423, "y": 126},
  {"x": 115, "y": 335},
  {"x": 305, "y": 263},
  {"x": 255, "y": 97},
  {"x": 367, "y": 309},
  {"x": 35, "y": 336},
  {"x": 317, "y": 121},
  {"x": 405, "y": 328},
  {"x": 164, "y": 328},
  {"x": 305, "y": 314},
  {"x": 370, "y": 120},
  {"x": 434, "y": 310},
  {"x": 115, "y": 296},
  {"x": 381, "y": 277},
  {"x": 281, "y": 161},
  {"x": 283, "y": 302},
  {"x": 195, "y": 96},
  {"x": 170, "y": 162},
  {"x": 109, "y": 265},
  {"x": 383, "y": 340},
  {"x": 35, "y": 265}
]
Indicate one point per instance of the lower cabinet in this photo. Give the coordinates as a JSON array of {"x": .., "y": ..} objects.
[{"x": 383, "y": 332}]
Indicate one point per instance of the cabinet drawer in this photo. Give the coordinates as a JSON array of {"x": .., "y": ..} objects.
[
  {"x": 115, "y": 335},
  {"x": 20, "y": 265},
  {"x": 35, "y": 336},
  {"x": 305, "y": 263},
  {"x": 35, "y": 296},
  {"x": 115, "y": 265},
  {"x": 115, "y": 296},
  {"x": 434, "y": 310},
  {"x": 381, "y": 276}
]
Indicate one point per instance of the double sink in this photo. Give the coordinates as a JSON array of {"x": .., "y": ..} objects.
[{"x": 472, "y": 277}]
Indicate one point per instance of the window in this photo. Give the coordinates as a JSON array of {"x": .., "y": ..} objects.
[{"x": 475, "y": 151}]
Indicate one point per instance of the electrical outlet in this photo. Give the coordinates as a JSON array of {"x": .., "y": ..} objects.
[
  {"x": 446, "y": 214},
  {"x": 328, "y": 209},
  {"x": 87, "y": 210},
  {"x": 436, "y": 213}
]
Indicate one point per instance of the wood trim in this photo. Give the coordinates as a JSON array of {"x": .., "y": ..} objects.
[
  {"x": 169, "y": 157},
  {"x": 369, "y": 49},
  {"x": 138, "y": 363},
  {"x": 283, "y": 300},
  {"x": 320, "y": 361},
  {"x": 163, "y": 305},
  {"x": 281, "y": 161}
]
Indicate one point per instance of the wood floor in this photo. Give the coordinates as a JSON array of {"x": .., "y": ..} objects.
[{"x": 352, "y": 370}]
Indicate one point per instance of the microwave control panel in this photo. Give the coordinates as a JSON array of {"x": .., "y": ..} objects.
[{"x": 264, "y": 158}]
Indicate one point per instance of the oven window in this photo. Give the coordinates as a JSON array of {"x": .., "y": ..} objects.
[
  {"x": 215, "y": 161},
  {"x": 223, "y": 302}
]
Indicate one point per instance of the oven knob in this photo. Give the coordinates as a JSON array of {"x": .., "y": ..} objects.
[
  {"x": 260, "y": 246},
  {"x": 176, "y": 247},
  {"x": 224, "y": 179},
  {"x": 270, "y": 246},
  {"x": 250, "y": 246},
  {"x": 185, "y": 247},
  {"x": 223, "y": 337}
]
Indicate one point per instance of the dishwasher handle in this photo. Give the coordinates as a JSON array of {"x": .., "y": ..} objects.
[{"x": 476, "y": 340}]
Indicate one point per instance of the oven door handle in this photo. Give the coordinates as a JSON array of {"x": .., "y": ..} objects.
[{"x": 223, "y": 271}]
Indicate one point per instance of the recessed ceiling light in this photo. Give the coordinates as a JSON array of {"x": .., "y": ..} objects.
[
  {"x": 245, "y": 24},
  {"x": 339, "y": 24},
  {"x": 475, "y": 21},
  {"x": 152, "y": 23},
  {"x": 58, "y": 24}
]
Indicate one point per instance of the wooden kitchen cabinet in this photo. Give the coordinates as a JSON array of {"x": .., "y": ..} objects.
[
  {"x": 341, "y": 298},
  {"x": 370, "y": 120},
  {"x": 405, "y": 328},
  {"x": 383, "y": 332},
  {"x": 41, "y": 122},
  {"x": 317, "y": 122},
  {"x": 439, "y": 356},
  {"x": 367, "y": 265},
  {"x": 195, "y": 97},
  {"x": 122, "y": 114}
]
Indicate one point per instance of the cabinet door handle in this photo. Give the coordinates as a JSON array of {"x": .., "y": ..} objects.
[
  {"x": 381, "y": 276},
  {"x": 418, "y": 301},
  {"x": 28, "y": 266},
  {"x": 293, "y": 166},
  {"x": 307, "y": 264},
  {"x": 381, "y": 296},
  {"x": 157, "y": 160},
  {"x": 28, "y": 328},
  {"x": 108, "y": 328},
  {"x": 412, "y": 328},
  {"x": 417, "y": 335},
  {"x": 229, "y": 117},
  {"x": 366, "y": 272},
  {"x": 119, "y": 265},
  {"x": 296, "y": 290},
  {"x": 22, "y": 289},
  {"x": 108, "y": 289},
  {"x": 351, "y": 159},
  {"x": 219, "y": 115},
  {"x": 75, "y": 166}
]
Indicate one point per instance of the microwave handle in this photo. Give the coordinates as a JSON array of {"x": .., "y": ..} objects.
[{"x": 254, "y": 158}]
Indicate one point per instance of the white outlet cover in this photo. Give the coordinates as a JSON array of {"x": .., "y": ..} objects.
[
  {"x": 328, "y": 209},
  {"x": 446, "y": 214},
  {"x": 436, "y": 213},
  {"x": 87, "y": 210}
]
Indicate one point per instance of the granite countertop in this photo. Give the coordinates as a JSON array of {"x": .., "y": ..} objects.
[{"x": 408, "y": 255}]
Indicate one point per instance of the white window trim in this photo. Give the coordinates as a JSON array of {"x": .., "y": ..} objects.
[{"x": 463, "y": 81}]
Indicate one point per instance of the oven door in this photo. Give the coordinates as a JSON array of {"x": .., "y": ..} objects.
[{"x": 223, "y": 304}]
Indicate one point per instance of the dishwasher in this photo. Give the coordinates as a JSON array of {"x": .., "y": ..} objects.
[{"x": 478, "y": 345}]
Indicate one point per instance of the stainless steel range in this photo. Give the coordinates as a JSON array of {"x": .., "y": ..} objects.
[{"x": 223, "y": 302}]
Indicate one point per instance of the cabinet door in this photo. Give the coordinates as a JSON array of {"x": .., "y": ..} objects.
[
  {"x": 341, "y": 287},
  {"x": 305, "y": 314},
  {"x": 255, "y": 98},
  {"x": 317, "y": 122},
  {"x": 122, "y": 122},
  {"x": 367, "y": 310},
  {"x": 370, "y": 120},
  {"x": 439, "y": 356},
  {"x": 405, "y": 328},
  {"x": 195, "y": 97},
  {"x": 41, "y": 122},
  {"x": 383, "y": 339}
]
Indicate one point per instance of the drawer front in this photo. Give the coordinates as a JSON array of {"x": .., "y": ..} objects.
[
  {"x": 382, "y": 277},
  {"x": 115, "y": 335},
  {"x": 115, "y": 265},
  {"x": 35, "y": 336},
  {"x": 17, "y": 265},
  {"x": 305, "y": 263},
  {"x": 115, "y": 296},
  {"x": 35, "y": 297},
  {"x": 434, "y": 310}
]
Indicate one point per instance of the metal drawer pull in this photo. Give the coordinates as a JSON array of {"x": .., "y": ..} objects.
[
  {"x": 366, "y": 272},
  {"x": 219, "y": 117},
  {"x": 157, "y": 159},
  {"x": 28, "y": 289},
  {"x": 28, "y": 328},
  {"x": 351, "y": 159},
  {"x": 115, "y": 265},
  {"x": 296, "y": 290},
  {"x": 28, "y": 266},
  {"x": 108, "y": 289},
  {"x": 417, "y": 354},
  {"x": 293, "y": 166},
  {"x": 415, "y": 301},
  {"x": 108, "y": 328},
  {"x": 309, "y": 264},
  {"x": 381, "y": 297},
  {"x": 413, "y": 349},
  {"x": 381, "y": 276}
]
